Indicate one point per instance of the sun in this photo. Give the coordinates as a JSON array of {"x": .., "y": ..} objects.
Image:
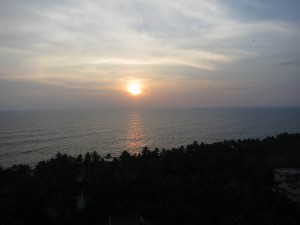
[{"x": 134, "y": 88}]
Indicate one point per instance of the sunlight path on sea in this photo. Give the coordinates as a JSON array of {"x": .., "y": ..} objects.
[{"x": 135, "y": 132}]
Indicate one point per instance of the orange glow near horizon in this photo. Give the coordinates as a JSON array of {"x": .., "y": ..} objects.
[{"x": 134, "y": 88}]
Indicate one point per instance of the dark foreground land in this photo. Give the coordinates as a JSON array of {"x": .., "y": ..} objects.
[{"x": 230, "y": 182}]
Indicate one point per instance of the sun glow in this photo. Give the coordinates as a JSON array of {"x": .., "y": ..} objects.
[{"x": 134, "y": 88}]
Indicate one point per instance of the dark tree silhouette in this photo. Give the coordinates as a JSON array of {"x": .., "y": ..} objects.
[{"x": 228, "y": 182}]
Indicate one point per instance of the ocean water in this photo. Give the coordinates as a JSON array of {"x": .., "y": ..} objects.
[{"x": 28, "y": 137}]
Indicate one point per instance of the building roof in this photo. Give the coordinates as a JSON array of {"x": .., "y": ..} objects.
[{"x": 288, "y": 171}]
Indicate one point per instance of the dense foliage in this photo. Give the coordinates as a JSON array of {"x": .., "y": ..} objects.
[{"x": 230, "y": 182}]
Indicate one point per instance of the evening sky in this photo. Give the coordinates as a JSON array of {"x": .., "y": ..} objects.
[{"x": 61, "y": 54}]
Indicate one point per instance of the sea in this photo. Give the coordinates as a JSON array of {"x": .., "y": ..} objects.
[{"x": 26, "y": 137}]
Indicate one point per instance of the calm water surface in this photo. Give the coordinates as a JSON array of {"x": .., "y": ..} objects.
[{"x": 27, "y": 137}]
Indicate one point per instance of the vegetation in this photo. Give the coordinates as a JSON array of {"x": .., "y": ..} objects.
[{"x": 229, "y": 182}]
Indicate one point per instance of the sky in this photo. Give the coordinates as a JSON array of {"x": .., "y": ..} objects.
[{"x": 74, "y": 54}]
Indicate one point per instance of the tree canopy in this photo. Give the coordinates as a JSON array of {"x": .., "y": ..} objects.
[{"x": 229, "y": 182}]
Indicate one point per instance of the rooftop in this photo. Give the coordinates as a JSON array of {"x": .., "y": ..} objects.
[{"x": 288, "y": 171}]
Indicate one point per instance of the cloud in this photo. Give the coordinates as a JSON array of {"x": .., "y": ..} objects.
[
  {"x": 144, "y": 32},
  {"x": 295, "y": 62},
  {"x": 97, "y": 44}
]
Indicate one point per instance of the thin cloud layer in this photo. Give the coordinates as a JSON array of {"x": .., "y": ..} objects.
[{"x": 97, "y": 45}]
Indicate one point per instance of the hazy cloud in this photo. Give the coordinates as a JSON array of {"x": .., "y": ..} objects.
[
  {"x": 96, "y": 45},
  {"x": 295, "y": 62}
]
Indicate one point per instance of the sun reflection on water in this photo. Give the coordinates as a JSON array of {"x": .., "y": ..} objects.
[{"x": 135, "y": 133}]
